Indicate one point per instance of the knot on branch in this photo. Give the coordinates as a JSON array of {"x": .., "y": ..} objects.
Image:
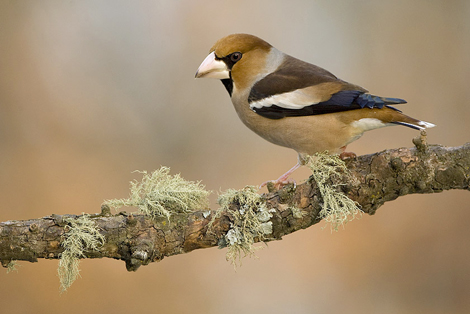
[
  {"x": 142, "y": 254},
  {"x": 420, "y": 142}
]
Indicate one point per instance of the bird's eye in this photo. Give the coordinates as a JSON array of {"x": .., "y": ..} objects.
[{"x": 234, "y": 57}]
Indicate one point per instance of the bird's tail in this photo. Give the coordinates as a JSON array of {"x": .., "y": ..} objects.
[{"x": 413, "y": 123}]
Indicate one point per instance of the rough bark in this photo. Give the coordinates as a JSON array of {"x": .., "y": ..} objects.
[{"x": 139, "y": 240}]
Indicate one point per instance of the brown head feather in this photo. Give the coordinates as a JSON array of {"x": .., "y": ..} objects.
[
  {"x": 238, "y": 43},
  {"x": 253, "y": 62}
]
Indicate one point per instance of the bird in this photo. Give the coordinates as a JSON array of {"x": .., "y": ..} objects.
[{"x": 296, "y": 104}]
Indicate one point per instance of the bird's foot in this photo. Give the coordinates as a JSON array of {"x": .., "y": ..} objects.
[
  {"x": 347, "y": 155},
  {"x": 281, "y": 181},
  {"x": 277, "y": 184}
]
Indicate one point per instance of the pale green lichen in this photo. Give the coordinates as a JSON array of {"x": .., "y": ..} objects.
[
  {"x": 250, "y": 222},
  {"x": 81, "y": 235},
  {"x": 160, "y": 194},
  {"x": 11, "y": 266},
  {"x": 337, "y": 208},
  {"x": 297, "y": 213}
]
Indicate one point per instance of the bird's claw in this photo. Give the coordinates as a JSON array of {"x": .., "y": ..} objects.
[
  {"x": 277, "y": 184},
  {"x": 347, "y": 155}
]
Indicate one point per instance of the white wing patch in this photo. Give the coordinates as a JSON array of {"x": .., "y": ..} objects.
[{"x": 297, "y": 99}]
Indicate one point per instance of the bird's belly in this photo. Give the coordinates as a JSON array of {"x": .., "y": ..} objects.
[{"x": 306, "y": 134}]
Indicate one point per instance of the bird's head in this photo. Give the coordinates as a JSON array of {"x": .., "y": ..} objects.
[{"x": 238, "y": 57}]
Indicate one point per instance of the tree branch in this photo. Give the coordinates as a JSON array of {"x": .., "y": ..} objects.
[{"x": 139, "y": 240}]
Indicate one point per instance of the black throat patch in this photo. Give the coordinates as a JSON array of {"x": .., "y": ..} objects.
[{"x": 228, "y": 83}]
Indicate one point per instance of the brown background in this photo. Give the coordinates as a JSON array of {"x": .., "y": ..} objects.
[{"x": 93, "y": 90}]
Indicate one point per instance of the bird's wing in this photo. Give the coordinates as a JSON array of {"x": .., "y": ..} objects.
[{"x": 298, "y": 88}]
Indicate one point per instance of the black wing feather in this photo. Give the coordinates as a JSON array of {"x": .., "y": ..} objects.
[
  {"x": 295, "y": 74},
  {"x": 341, "y": 101}
]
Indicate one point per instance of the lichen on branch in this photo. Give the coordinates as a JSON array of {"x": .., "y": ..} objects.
[
  {"x": 374, "y": 180},
  {"x": 81, "y": 235},
  {"x": 249, "y": 222},
  {"x": 337, "y": 209},
  {"x": 160, "y": 194}
]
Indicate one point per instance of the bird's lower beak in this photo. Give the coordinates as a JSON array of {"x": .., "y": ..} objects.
[{"x": 211, "y": 67}]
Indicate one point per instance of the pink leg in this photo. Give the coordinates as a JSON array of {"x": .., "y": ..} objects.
[
  {"x": 282, "y": 180},
  {"x": 345, "y": 155}
]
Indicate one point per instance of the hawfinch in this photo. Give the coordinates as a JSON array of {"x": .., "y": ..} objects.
[{"x": 296, "y": 104}]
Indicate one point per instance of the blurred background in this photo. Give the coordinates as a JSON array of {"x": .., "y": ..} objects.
[{"x": 93, "y": 90}]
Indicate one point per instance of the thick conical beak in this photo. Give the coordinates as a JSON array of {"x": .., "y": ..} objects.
[{"x": 211, "y": 67}]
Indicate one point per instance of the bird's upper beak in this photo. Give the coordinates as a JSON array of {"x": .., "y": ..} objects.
[{"x": 211, "y": 67}]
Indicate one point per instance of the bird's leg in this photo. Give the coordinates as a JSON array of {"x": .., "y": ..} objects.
[
  {"x": 345, "y": 155},
  {"x": 282, "y": 180}
]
